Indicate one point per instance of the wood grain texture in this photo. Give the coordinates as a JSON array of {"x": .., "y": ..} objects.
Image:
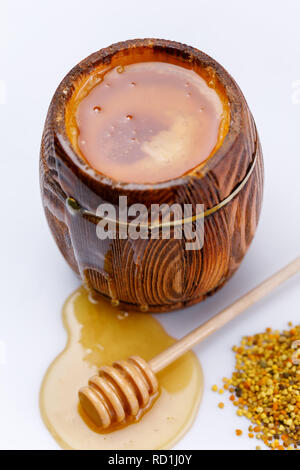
[{"x": 155, "y": 275}]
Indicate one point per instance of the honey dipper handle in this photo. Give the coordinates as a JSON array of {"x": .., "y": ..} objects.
[{"x": 163, "y": 359}]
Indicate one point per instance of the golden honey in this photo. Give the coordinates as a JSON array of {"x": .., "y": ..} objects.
[
  {"x": 100, "y": 334},
  {"x": 148, "y": 122}
]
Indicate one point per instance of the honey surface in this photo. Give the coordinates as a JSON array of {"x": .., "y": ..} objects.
[
  {"x": 99, "y": 334},
  {"x": 148, "y": 122}
]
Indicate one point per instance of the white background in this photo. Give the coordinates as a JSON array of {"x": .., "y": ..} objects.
[{"x": 258, "y": 42}]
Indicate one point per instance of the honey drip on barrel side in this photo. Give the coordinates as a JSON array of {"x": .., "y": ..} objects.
[{"x": 99, "y": 334}]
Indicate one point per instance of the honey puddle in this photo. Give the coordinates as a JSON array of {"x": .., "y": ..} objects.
[{"x": 99, "y": 334}]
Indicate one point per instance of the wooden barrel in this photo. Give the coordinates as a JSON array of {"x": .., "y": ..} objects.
[{"x": 153, "y": 274}]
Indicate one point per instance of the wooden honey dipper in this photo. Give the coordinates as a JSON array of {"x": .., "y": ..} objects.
[{"x": 123, "y": 389}]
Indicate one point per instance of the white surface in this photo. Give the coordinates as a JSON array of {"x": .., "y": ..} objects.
[{"x": 258, "y": 43}]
